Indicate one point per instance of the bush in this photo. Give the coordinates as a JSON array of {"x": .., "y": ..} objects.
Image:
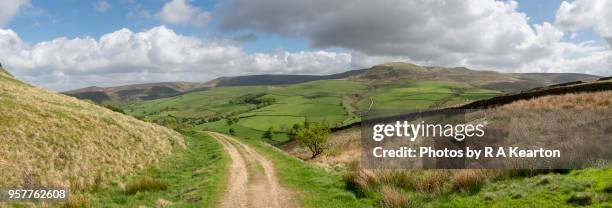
[
  {"x": 268, "y": 134},
  {"x": 608, "y": 188},
  {"x": 145, "y": 184},
  {"x": 314, "y": 136},
  {"x": 582, "y": 199}
]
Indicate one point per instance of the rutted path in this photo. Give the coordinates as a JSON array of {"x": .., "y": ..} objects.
[{"x": 252, "y": 181}]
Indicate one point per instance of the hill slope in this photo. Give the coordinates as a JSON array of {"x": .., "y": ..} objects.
[
  {"x": 137, "y": 92},
  {"x": 56, "y": 140},
  {"x": 380, "y": 74},
  {"x": 513, "y": 82}
]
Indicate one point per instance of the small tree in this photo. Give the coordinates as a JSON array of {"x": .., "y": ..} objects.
[
  {"x": 314, "y": 136},
  {"x": 232, "y": 132},
  {"x": 267, "y": 134},
  {"x": 232, "y": 120}
]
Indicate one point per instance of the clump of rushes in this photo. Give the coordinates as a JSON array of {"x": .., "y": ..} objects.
[
  {"x": 468, "y": 180},
  {"x": 395, "y": 198},
  {"x": 145, "y": 184}
]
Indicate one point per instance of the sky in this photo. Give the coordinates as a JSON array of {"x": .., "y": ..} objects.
[{"x": 69, "y": 44}]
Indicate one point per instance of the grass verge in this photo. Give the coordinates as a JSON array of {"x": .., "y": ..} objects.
[{"x": 194, "y": 177}]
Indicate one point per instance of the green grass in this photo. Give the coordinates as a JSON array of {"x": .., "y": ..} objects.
[
  {"x": 322, "y": 88},
  {"x": 549, "y": 190},
  {"x": 242, "y": 131},
  {"x": 316, "y": 187},
  {"x": 194, "y": 177},
  {"x": 424, "y": 95},
  {"x": 196, "y": 104},
  {"x": 262, "y": 123}
]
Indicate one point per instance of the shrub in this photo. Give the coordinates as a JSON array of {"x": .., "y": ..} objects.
[
  {"x": 608, "y": 188},
  {"x": 582, "y": 199},
  {"x": 314, "y": 136},
  {"x": 145, "y": 184},
  {"x": 268, "y": 134},
  {"x": 232, "y": 132}
]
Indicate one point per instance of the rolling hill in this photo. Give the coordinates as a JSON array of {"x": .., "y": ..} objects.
[
  {"x": 390, "y": 73},
  {"x": 137, "y": 92},
  {"x": 336, "y": 99},
  {"x": 49, "y": 139}
]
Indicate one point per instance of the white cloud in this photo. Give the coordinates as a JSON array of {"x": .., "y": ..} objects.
[
  {"x": 157, "y": 54},
  {"x": 586, "y": 14},
  {"x": 481, "y": 34},
  {"x": 10, "y": 8},
  {"x": 180, "y": 12},
  {"x": 102, "y": 6}
]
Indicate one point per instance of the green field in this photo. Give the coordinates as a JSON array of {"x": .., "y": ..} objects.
[
  {"x": 424, "y": 95},
  {"x": 335, "y": 102}
]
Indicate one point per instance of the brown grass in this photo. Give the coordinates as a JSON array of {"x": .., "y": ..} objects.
[
  {"x": 77, "y": 201},
  {"x": 431, "y": 181},
  {"x": 591, "y": 100},
  {"x": 469, "y": 180},
  {"x": 394, "y": 198},
  {"x": 145, "y": 184},
  {"x": 50, "y": 139}
]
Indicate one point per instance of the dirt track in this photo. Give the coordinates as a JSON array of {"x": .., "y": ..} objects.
[{"x": 252, "y": 180}]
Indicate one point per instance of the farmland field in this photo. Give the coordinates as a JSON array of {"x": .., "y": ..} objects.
[{"x": 335, "y": 102}]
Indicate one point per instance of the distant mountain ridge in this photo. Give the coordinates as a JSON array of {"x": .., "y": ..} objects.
[
  {"x": 137, "y": 92},
  {"x": 388, "y": 73},
  {"x": 280, "y": 79}
]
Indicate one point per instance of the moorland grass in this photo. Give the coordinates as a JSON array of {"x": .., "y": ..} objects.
[{"x": 49, "y": 139}]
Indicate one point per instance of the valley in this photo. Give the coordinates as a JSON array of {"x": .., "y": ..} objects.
[{"x": 238, "y": 141}]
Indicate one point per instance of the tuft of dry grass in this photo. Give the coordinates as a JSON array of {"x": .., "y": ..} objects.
[
  {"x": 395, "y": 198},
  {"x": 469, "y": 180},
  {"x": 360, "y": 179},
  {"x": 162, "y": 203},
  {"x": 49, "y": 139},
  {"x": 77, "y": 201},
  {"x": 590, "y": 100},
  {"x": 145, "y": 184},
  {"x": 431, "y": 181}
]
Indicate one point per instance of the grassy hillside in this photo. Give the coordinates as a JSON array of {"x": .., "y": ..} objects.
[
  {"x": 56, "y": 140},
  {"x": 397, "y": 73},
  {"x": 137, "y": 92}
]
